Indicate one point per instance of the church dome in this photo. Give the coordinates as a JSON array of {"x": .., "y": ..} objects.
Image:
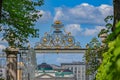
[{"x": 44, "y": 66}]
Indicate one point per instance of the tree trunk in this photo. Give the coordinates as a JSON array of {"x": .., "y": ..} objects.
[
  {"x": 0, "y": 9},
  {"x": 116, "y": 5}
]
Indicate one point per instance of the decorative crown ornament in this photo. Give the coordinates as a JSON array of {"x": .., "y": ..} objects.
[{"x": 57, "y": 22}]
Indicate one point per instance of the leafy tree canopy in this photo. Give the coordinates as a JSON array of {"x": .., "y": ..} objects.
[
  {"x": 92, "y": 55},
  {"x": 110, "y": 67},
  {"x": 2, "y": 79},
  {"x": 17, "y": 20},
  {"x": 96, "y": 49}
]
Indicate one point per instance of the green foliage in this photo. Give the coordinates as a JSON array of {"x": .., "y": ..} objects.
[
  {"x": 18, "y": 18},
  {"x": 96, "y": 49},
  {"x": 2, "y": 79},
  {"x": 110, "y": 67},
  {"x": 102, "y": 32},
  {"x": 108, "y": 18},
  {"x": 108, "y": 25},
  {"x": 92, "y": 56}
]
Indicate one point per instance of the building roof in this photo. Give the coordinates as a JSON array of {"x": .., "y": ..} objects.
[
  {"x": 67, "y": 70},
  {"x": 74, "y": 63},
  {"x": 56, "y": 67},
  {"x": 44, "y": 69},
  {"x": 44, "y": 66}
]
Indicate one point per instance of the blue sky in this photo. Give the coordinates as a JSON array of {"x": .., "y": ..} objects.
[{"x": 83, "y": 18}]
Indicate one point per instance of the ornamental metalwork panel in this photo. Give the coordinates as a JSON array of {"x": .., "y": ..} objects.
[{"x": 57, "y": 39}]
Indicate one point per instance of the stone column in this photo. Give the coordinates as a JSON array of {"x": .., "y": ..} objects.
[{"x": 11, "y": 63}]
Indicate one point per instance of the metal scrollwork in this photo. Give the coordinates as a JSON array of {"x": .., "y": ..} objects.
[{"x": 58, "y": 39}]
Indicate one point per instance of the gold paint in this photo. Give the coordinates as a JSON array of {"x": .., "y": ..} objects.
[
  {"x": 57, "y": 39},
  {"x": 69, "y": 33},
  {"x": 70, "y": 40},
  {"x": 58, "y": 47},
  {"x": 45, "y": 40},
  {"x": 57, "y": 22}
]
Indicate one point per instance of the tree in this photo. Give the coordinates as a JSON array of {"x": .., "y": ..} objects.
[
  {"x": 92, "y": 56},
  {"x": 116, "y": 4},
  {"x": 0, "y": 8},
  {"x": 17, "y": 20},
  {"x": 2, "y": 79},
  {"x": 96, "y": 49},
  {"x": 110, "y": 67}
]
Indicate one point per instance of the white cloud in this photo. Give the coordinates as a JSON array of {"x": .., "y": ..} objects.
[
  {"x": 89, "y": 32},
  {"x": 2, "y": 47},
  {"x": 85, "y": 4},
  {"x": 61, "y": 60},
  {"x": 2, "y": 41},
  {"x": 46, "y": 16},
  {"x": 84, "y": 13},
  {"x": 59, "y": 14},
  {"x": 75, "y": 29},
  {"x": 94, "y": 31},
  {"x": 69, "y": 58},
  {"x": 2, "y": 44},
  {"x": 105, "y": 9}
]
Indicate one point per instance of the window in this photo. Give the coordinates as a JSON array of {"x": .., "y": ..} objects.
[
  {"x": 72, "y": 68},
  {"x": 75, "y": 71},
  {"x": 0, "y": 70},
  {"x": 75, "y": 68},
  {"x": 78, "y": 71}
]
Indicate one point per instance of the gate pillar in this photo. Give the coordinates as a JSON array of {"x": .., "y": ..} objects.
[{"x": 11, "y": 55}]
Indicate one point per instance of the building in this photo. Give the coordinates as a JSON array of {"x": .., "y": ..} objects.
[
  {"x": 46, "y": 72},
  {"x": 78, "y": 69},
  {"x": 2, "y": 73},
  {"x": 26, "y": 65},
  {"x": 2, "y": 66}
]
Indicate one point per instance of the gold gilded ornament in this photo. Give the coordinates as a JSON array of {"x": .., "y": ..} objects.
[
  {"x": 45, "y": 40},
  {"x": 57, "y": 22},
  {"x": 69, "y": 40}
]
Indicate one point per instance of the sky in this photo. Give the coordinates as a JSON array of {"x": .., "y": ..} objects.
[{"x": 83, "y": 18}]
